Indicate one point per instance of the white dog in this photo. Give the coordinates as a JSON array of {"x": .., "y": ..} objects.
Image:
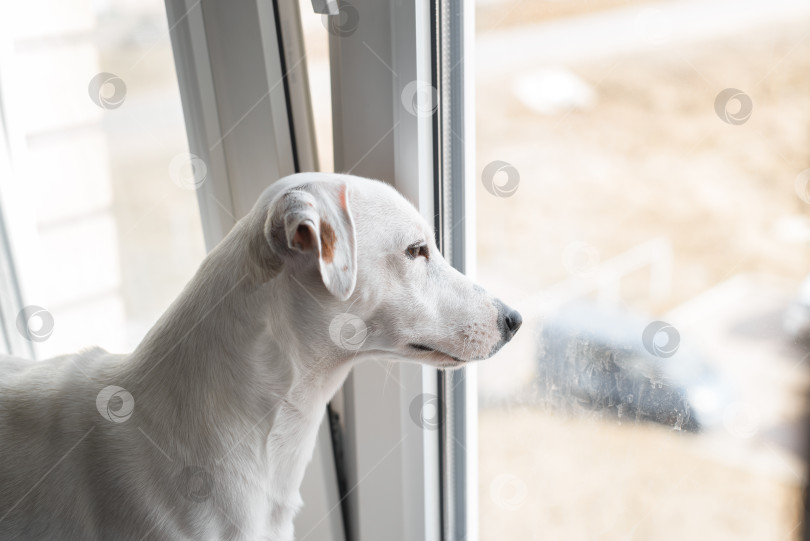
[{"x": 205, "y": 430}]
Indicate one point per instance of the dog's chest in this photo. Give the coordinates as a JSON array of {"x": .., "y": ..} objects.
[{"x": 270, "y": 503}]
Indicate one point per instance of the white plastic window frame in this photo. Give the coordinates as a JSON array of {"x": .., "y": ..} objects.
[
  {"x": 382, "y": 66},
  {"x": 391, "y": 462},
  {"x": 11, "y": 341},
  {"x": 245, "y": 102}
]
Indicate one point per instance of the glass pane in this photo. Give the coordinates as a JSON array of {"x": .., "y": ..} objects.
[
  {"x": 643, "y": 201},
  {"x": 104, "y": 225},
  {"x": 316, "y": 30}
]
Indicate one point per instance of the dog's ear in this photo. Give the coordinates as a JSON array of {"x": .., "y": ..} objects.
[{"x": 315, "y": 220}]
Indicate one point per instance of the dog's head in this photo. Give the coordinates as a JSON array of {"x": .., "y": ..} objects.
[{"x": 366, "y": 275}]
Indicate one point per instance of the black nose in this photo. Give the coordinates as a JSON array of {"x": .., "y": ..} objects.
[
  {"x": 509, "y": 321},
  {"x": 513, "y": 320}
]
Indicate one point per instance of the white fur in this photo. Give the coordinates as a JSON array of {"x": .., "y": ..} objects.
[{"x": 230, "y": 385}]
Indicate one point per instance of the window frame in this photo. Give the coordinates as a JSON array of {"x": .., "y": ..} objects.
[
  {"x": 245, "y": 100},
  {"x": 391, "y": 463},
  {"x": 376, "y": 136},
  {"x": 11, "y": 298},
  {"x": 454, "y": 165}
]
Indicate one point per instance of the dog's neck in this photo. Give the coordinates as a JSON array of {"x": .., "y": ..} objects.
[{"x": 250, "y": 399}]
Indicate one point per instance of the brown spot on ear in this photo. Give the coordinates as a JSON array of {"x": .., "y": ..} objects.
[
  {"x": 328, "y": 239},
  {"x": 303, "y": 238},
  {"x": 343, "y": 197}
]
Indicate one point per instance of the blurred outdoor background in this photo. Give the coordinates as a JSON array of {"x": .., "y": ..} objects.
[
  {"x": 104, "y": 230},
  {"x": 637, "y": 162},
  {"x": 644, "y": 193},
  {"x": 641, "y": 199}
]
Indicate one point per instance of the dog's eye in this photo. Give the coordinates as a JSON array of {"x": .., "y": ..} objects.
[{"x": 415, "y": 250}]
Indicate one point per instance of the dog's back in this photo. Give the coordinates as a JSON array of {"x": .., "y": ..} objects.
[{"x": 47, "y": 433}]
